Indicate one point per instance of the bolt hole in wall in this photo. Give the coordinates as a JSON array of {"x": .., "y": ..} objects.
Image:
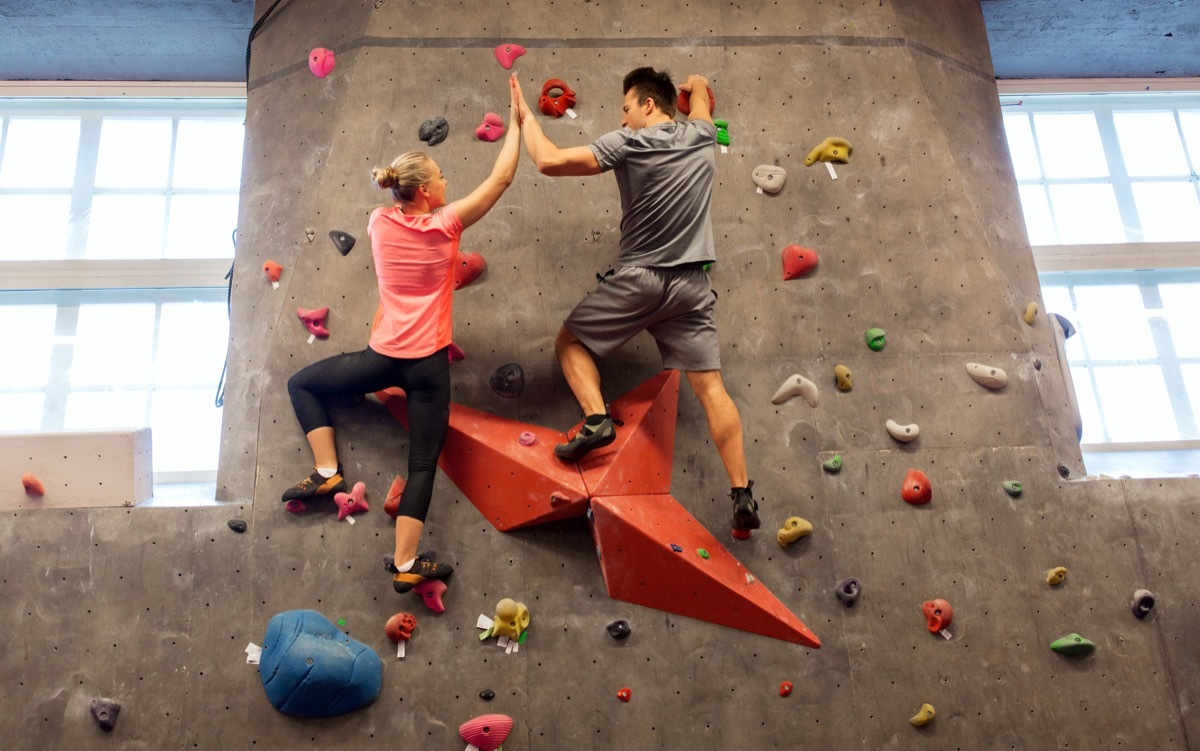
[
  {"x": 1109, "y": 183},
  {"x": 119, "y": 217}
]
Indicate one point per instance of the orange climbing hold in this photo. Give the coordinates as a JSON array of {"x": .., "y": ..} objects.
[
  {"x": 33, "y": 486},
  {"x": 272, "y": 270},
  {"x": 798, "y": 261},
  {"x": 916, "y": 489}
]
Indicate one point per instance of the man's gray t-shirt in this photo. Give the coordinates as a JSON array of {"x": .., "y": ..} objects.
[{"x": 665, "y": 174}]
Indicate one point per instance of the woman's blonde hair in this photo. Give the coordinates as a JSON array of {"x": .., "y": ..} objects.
[{"x": 404, "y": 175}]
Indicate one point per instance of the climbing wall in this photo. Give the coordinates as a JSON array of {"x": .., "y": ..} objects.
[{"x": 919, "y": 235}]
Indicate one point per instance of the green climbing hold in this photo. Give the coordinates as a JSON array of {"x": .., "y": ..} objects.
[
  {"x": 708, "y": 266},
  {"x": 341, "y": 622},
  {"x": 1013, "y": 488},
  {"x": 702, "y": 553},
  {"x": 834, "y": 464},
  {"x": 1073, "y": 644},
  {"x": 875, "y": 339},
  {"x": 722, "y": 132}
]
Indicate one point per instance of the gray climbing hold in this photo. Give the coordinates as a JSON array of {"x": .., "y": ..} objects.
[
  {"x": 1062, "y": 470},
  {"x": 769, "y": 177},
  {"x": 902, "y": 433},
  {"x": 508, "y": 381},
  {"x": 1143, "y": 603},
  {"x": 237, "y": 525},
  {"x": 310, "y": 233},
  {"x": 796, "y": 385},
  {"x": 987, "y": 375},
  {"x": 848, "y": 590},
  {"x": 344, "y": 241},
  {"x": 105, "y": 712},
  {"x": 434, "y": 130}
]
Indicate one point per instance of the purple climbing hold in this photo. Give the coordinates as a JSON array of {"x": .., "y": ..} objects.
[
  {"x": 848, "y": 590},
  {"x": 105, "y": 712}
]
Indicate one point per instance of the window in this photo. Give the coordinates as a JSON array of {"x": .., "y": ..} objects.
[
  {"x": 1109, "y": 183},
  {"x": 119, "y": 217}
]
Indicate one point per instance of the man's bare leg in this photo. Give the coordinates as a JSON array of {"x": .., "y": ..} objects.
[
  {"x": 584, "y": 379},
  {"x": 724, "y": 423}
]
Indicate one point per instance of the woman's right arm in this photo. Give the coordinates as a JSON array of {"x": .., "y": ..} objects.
[{"x": 472, "y": 208}]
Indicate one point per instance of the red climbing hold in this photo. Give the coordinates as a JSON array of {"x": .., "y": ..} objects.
[
  {"x": 556, "y": 105},
  {"x": 491, "y": 128},
  {"x": 296, "y": 506},
  {"x": 917, "y": 488},
  {"x": 684, "y": 103},
  {"x": 33, "y": 486},
  {"x": 798, "y": 261},
  {"x": 467, "y": 268},
  {"x": 486, "y": 732},
  {"x": 400, "y": 626},
  {"x": 624, "y": 694},
  {"x": 392, "y": 504},
  {"x": 430, "y": 591},
  {"x": 785, "y": 688},
  {"x": 272, "y": 270},
  {"x": 314, "y": 320},
  {"x": 321, "y": 62},
  {"x": 507, "y": 54},
  {"x": 353, "y": 502},
  {"x": 938, "y": 614}
]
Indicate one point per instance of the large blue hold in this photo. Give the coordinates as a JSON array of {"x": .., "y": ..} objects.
[{"x": 309, "y": 668}]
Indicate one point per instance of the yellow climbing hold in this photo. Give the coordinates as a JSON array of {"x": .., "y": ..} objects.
[
  {"x": 793, "y": 529},
  {"x": 830, "y": 150},
  {"x": 924, "y": 716},
  {"x": 1055, "y": 576},
  {"x": 1031, "y": 313}
]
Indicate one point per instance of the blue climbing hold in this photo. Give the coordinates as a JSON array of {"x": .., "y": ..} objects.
[{"x": 311, "y": 669}]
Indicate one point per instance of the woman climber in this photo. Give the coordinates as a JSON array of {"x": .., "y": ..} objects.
[{"x": 414, "y": 243}]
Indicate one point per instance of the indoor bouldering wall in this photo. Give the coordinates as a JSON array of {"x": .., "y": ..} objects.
[{"x": 919, "y": 235}]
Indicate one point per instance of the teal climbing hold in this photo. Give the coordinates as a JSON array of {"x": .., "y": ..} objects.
[
  {"x": 875, "y": 339},
  {"x": 1073, "y": 645}
]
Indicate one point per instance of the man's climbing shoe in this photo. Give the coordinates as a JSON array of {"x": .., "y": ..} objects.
[
  {"x": 589, "y": 438},
  {"x": 315, "y": 484},
  {"x": 424, "y": 569},
  {"x": 745, "y": 511}
]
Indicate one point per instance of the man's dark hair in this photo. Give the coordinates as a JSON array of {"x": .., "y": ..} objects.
[{"x": 650, "y": 84}]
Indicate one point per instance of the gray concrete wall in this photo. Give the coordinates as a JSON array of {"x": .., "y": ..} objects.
[{"x": 921, "y": 234}]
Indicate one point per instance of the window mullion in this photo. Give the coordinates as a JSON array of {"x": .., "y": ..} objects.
[
  {"x": 1119, "y": 175},
  {"x": 85, "y": 181},
  {"x": 62, "y": 354}
]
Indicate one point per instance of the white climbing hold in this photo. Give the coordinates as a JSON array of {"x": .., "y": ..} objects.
[
  {"x": 902, "y": 433},
  {"x": 796, "y": 385},
  {"x": 987, "y": 375}
]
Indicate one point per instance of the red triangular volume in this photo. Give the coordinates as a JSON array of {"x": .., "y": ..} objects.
[
  {"x": 634, "y": 536},
  {"x": 640, "y": 460},
  {"x": 512, "y": 484}
]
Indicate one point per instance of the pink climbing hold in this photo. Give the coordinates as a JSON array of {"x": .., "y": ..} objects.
[
  {"x": 354, "y": 502},
  {"x": 296, "y": 506},
  {"x": 467, "y": 268},
  {"x": 486, "y": 732},
  {"x": 456, "y": 353},
  {"x": 314, "y": 320},
  {"x": 507, "y": 54},
  {"x": 430, "y": 592},
  {"x": 321, "y": 62},
  {"x": 491, "y": 128},
  {"x": 798, "y": 261}
]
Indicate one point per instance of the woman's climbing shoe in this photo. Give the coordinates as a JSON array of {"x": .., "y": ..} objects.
[
  {"x": 745, "y": 511},
  {"x": 315, "y": 484},
  {"x": 424, "y": 569},
  {"x": 589, "y": 438}
]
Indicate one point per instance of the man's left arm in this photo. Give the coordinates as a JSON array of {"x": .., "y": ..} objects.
[{"x": 700, "y": 104}]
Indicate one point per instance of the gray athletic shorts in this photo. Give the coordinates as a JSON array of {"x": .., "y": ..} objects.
[{"x": 674, "y": 305}]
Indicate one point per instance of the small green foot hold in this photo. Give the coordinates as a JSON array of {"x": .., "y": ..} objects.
[
  {"x": 875, "y": 339},
  {"x": 1013, "y": 488},
  {"x": 1073, "y": 645},
  {"x": 834, "y": 464},
  {"x": 722, "y": 127}
]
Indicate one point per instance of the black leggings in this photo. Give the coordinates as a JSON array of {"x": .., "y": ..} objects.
[{"x": 426, "y": 383}]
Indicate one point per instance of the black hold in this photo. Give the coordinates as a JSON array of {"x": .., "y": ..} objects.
[
  {"x": 508, "y": 380},
  {"x": 1143, "y": 603},
  {"x": 344, "y": 241},
  {"x": 619, "y": 629},
  {"x": 676, "y": 548},
  {"x": 237, "y": 525},
  {"x": 1169, "y": 34},
  {"x": 848, "y": 590},
  {"x": 487, "y": 694},
  {"x": 1037, "y": 364},
  {"x": 434, "y": 130},
  {"x": 105, "y": 712},
  {"x": 1062, "y": 470}
]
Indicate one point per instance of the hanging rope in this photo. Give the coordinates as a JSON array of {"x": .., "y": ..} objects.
[
  {"x": 254, "y": 32},
  {"x": 220, "y": 400}
]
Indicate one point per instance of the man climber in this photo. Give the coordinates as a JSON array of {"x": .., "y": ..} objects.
[{"x": 664, "y": 170}]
